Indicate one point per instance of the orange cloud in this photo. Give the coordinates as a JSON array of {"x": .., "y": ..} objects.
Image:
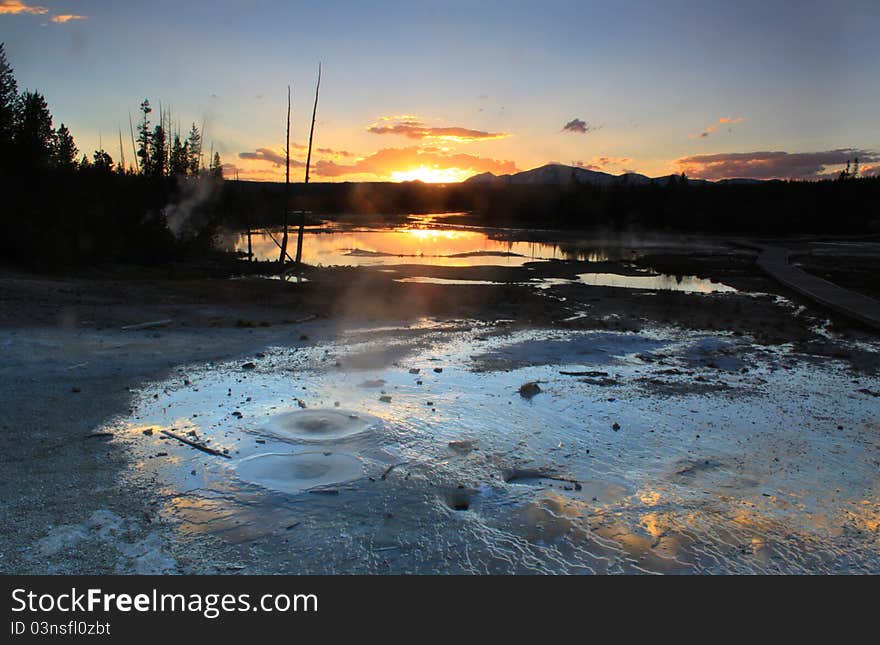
[
  {"x": 389, "y": 162},
  {"x": 17, "y": 6},
  {"x": 409, "y": 126},
  {"x": 67, "y": 17},
  {"x": 729, "y": 122},
  {"x": 428, "y": 163},
  {"x": 599, "y": 163}
]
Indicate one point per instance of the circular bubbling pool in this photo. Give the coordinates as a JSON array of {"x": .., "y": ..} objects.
[
  {"x": 297, "y": 472},
  {"x": 321, "y": 424}
]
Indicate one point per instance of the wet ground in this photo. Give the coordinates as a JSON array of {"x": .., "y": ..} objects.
[
  {"x": 411, "y": 448},
  {"x": 362, "y": 422}
]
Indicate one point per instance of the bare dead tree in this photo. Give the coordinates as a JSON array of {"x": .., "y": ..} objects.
[
  {"x": 283, "y": 254},
  {"x": 121, "y": 150},
  {"x": 137, "y": 166},
  {"x": 302, "y": 213}
]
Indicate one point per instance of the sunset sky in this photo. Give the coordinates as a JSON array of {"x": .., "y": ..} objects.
[{"x": 442, "y": 91}]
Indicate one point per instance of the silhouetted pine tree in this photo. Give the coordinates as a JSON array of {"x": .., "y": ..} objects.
[
  {"x": 8, "y": 106},
  {"x": 157, "y": 165},
  {"x": 64, "y": 149},
  {"x": 33, "y": 132},
  {"x": 144, "y": 138},
  {"x": 216, "y": 166},
  {"x": 102, "y": 161},
  {"x": 178, "y": 160},
  {"x": 194, "y": 150}
]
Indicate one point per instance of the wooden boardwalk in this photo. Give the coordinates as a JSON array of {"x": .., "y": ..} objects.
[{"x": 773, "y": 260}]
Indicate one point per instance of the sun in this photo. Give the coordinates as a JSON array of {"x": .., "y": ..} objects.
[{"x": 431, "y": 175}]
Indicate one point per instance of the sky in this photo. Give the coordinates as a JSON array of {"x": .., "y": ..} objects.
[{"x": 440, "y": 91}]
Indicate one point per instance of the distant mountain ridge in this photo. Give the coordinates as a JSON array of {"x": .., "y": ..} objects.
[{"x": 559, "y": 174}]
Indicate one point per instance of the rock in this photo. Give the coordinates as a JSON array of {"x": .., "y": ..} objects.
[
  {"x": 75, "y": 390},
  {"x": 438, "y": 369},
  {"x": 461, "y": 446},
  {"x": 237, "y": 414},
  {"x": 148, "y": 432},
  {"x": 385, "y": 398},
  {"x": 260, "y": 355},
  {"x": 414, "y": 370},
  {"x": 615, "y": 426},
  {"x": 249, "y": 366},
  {"x": 528, "y": 390}
]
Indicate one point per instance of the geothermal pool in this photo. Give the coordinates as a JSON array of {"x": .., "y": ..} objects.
[{"x": 410, "y": 449}]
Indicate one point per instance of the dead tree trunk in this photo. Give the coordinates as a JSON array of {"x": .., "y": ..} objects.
[
  {"x": 283, "y": 255},
  {"x": 302, "y": 213}
]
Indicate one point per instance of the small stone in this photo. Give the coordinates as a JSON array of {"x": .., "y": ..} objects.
[
  {"x": 249, "y": 366},
  {"x": 438, "y": 369},
  {"x": 385, "y": 398},
  {"x": 528, "y": 390},
  {"x": 148, "y": 432},
  {"x": 615, "y": 426},
  {"x": 414, "y": 370}
]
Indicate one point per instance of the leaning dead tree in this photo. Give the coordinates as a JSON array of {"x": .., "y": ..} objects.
[
  {"x": 302, "y": 213},
  {"x": 283, "y": 255}
]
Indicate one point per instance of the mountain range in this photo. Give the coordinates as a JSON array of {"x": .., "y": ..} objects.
[{"x": 558, "y": 174}]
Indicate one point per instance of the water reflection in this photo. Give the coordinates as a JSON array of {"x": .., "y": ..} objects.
[
  {"x": 663, "y": 282},
  {"x": 419, "y": 244}
]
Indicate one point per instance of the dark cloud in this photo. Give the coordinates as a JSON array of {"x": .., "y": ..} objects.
[
  {"x": 600, "y": 163},
  {"x": 578, "y": 126},
  {"x": 338, "y": 153},
  {"x": 267, "y": 154},
  {"x": 728, "y": 121},
  {"x": 388, "y": 160},
  {"x": 771, "y": 165},
  {"x": 415, "y": 129}
]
